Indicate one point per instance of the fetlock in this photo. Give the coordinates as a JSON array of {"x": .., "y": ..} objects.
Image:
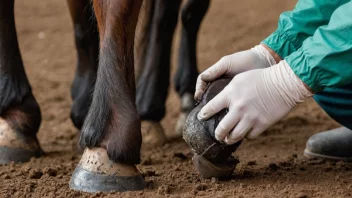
[
  {"x": 24, "y": 118},
  {"x": 116, "y": 130},
  {"x": 18, "y": 106}
]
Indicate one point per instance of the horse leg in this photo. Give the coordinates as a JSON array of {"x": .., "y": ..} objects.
[
  {"x": 153, "y": 82},
  {"x": 87, "y": 46},
  {"x": 19, "y": 112},
  {"x": 186, "y": 76},
  {"x": 111, "y": 131}
]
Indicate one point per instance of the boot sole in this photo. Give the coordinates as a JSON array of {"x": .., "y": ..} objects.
[{"x": 311, "y": 155}]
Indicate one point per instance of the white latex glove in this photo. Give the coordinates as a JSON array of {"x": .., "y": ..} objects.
[
  {"x": 255, "y": 100},
  {"x": 255, "y": 58}
]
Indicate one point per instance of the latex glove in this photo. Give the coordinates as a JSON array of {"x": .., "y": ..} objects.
[
  {"x": 255, "y": 100},
  {"x": 255, "y": 58}
]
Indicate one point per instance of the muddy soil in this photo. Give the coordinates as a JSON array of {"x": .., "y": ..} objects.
[{"x": 271, "y": 166}]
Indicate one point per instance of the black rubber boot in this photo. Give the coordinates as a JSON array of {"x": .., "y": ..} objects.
[{"x": 334, "y": 144}]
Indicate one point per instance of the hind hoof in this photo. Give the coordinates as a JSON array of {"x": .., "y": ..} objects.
[
  {"x": 97, "y": 173},
  {"x": 153, "y": 133},
  {"x": 15, "y": 147},
  {"x": 180, "y": 125},
  {"x": 187, "y": 105}
]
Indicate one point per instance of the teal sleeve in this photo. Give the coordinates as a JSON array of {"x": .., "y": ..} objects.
[
  {"x": 325, "y": 59},
  {"x": 297, "y": 25}
]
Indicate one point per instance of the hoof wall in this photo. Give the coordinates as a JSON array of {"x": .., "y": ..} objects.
[
  {"x": 97, "y": 173},
  {"x": 8, "y": 155},
  {"x": 209, "y": 170},
  {"x": 153, "y": 133},
  {"x": 83, "y": 180},
  {"x": 212, "y": 158},
  {"x": 16, "y": 147},
  {"x": 180, "y": 124}
]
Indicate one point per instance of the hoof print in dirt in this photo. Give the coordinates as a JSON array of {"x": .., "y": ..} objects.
[
  {"x": 211, "y": 157},
  {"x": 97, "y": 173}
]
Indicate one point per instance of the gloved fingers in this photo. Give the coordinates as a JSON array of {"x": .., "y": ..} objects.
[
  {"x": 214, "y": 72},
  {"x": 209, "y": 75},
  {"x": 218, "y": 103},
  {"x": 200, "y": 88},
  {"x": 226, "y": 125},
  {"x": 239, "y": 132},
  {"x": 256, "y": 131}
]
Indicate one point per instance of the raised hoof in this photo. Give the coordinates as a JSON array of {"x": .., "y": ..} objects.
[
  {"x": 211, "y": 157},
  {"x": 209, "y": 170},
  {"x": 153, "y": 133},
  {"x": 15, "y": 147},
  {"x": 97, "y": 173}
]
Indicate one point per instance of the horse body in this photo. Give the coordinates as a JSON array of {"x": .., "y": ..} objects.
[{"x": 106, "y": 106}]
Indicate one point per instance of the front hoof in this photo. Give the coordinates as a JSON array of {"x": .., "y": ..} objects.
[
  {"x": 15, "y": 147},
  {"x": 211, "y": 157},
  {"x": 153, "y": 133},
  {"x": 97, "y": 173}
]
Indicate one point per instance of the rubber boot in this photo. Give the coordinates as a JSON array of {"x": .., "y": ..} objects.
[{"x": 334, "y": 144}]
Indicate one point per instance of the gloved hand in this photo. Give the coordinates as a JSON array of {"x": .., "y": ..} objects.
[
  {"x": 255, "y": 100},
  {"x": 255, "y": 58}
]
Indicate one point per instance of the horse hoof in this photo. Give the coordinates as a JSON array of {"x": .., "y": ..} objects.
[
  {"x": 97, "y": 173},
  {"x": 180, "y": 125},
  {"x": 211, "y": 158},
  {"x": 209, "y": 170},
  {"x": 153, "y": 133},
  {"x": 15, "y": 147},
  {"x": 187, "y": 105}
]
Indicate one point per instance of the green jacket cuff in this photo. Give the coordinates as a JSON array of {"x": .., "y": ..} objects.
[
  {"x": 299, "y": 63},
  {"x": 283, "y": 44}
]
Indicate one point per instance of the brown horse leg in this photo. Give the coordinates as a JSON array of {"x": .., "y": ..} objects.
[
  {"x": 186, "y": 76},
  {"x": 153, "y": 83},
  {"x": 87, "y": 45},
  {"x": 19, "y": 112},
  {"x": 111, "y": 132}
]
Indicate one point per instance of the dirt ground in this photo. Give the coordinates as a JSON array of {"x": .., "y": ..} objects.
[{"x": 271, "y": 166}]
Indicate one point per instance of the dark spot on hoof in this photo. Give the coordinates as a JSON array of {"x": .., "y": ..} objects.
[
  {"x": 83, "y": 180},
  {"x": 212, "y": 158}
]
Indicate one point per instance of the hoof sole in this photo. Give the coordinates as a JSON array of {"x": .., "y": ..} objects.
[
  {"x": 209, "y": 170},
  {"x": 83, "y": 180},
  {"x": 8, "y": 155}
]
